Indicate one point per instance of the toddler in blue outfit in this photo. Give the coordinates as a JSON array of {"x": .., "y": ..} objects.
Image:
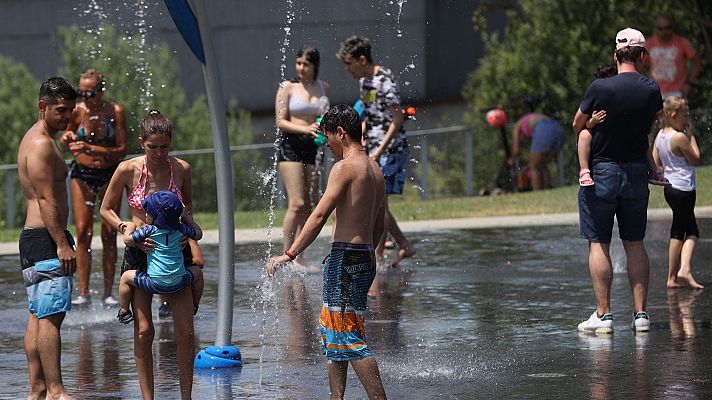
[{"x": 166, "y": 272}]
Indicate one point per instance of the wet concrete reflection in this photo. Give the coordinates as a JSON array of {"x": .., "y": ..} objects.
[
  {"x": 302, "y": 330},
  {"x": 478, "y": 314}
]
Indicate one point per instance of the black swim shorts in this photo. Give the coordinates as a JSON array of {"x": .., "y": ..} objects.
[
  {"x": 295, "y": 147},
  {"x": 96, "y": 178}
]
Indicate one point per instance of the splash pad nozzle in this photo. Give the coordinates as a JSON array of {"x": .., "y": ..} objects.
[{"x": 218, "y": 357}]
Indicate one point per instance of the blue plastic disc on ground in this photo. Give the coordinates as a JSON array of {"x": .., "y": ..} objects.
[
  {"x": 218, "y": 357},
  {"x": 224, "y": 352}
]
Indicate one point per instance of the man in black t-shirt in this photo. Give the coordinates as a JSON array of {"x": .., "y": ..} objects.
[{"x": 619, "y": 168}]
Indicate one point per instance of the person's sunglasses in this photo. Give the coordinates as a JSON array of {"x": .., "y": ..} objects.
[
  {"x": 664, "y": 28},
  {"x": 88, "y": 94}
]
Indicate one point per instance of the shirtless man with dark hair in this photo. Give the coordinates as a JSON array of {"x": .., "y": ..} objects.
[
  {"x": 46, "y": 247},
  {"x": 356, "y": 194}
]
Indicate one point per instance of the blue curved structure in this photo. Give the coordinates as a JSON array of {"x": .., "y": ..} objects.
[
  {"x": 187, "y": 25},
  {"x": 214, "y": 357}
]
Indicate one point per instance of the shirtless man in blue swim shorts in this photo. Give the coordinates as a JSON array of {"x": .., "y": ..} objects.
[
  {"x": 46, "y": 247},
  {"x": 355, "y": 194}
]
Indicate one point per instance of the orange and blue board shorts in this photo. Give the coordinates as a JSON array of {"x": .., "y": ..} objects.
[{"x": 348, "y": 275}]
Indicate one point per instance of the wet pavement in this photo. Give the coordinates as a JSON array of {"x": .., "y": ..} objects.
[{"x": 487, "y": 313}]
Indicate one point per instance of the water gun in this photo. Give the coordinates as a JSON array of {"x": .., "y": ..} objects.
[
  {"x": 408, "y": 111},
  {"x": 360, "y": 108},
  {"x": 320, "y": 140}
]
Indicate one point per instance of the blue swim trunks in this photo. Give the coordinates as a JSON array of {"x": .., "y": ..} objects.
[
  {"x": 395, "y": 170},
  {"x": 621, "y": 190},
  {"x": 145, "y": 282},
  {"x": 49, "y": 290},
  {"x": 348, "y": 275},
  {"x": 547, "y": 136}
]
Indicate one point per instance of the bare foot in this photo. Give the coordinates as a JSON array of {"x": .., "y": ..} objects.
[
  {"x": 39, "y": 395},
  {"x": 63, "y": 396},
  {"x": 688, "y": 280},
  {"x": 673, "y": 284},
  {"x": 406, "y": 252}
]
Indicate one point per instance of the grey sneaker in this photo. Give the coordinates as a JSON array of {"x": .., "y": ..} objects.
[
  {"x": 604, "y": 324},
  {"x": 641, "y": 322},
  {"x": 81, "y": 300}
]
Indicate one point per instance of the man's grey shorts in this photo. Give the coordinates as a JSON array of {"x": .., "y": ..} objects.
[{"x": 620, "y": 190}]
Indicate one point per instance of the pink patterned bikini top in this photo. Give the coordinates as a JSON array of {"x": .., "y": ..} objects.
[{"x": 139, "y": 191}]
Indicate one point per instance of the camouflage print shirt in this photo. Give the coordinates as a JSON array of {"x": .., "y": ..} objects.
[{"x": 379, "y": 93}]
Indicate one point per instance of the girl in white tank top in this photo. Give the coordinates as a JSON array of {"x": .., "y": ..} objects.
[
  {"x": 676, "y": 150},
  {"x": 677, "y": 169}
]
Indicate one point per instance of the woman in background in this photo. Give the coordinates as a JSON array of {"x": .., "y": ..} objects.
[
  {"x": 299, "y": 102},
  {"x": 97, "y": 138},
  {"x": 547, "y": 139}
]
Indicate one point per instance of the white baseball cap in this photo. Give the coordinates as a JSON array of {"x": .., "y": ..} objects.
[{"x": 629, "y": 37}]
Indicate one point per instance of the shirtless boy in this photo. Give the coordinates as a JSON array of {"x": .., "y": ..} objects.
[
  {"x": 355, "y": 192},
  {"x": 46, "y": 253}
]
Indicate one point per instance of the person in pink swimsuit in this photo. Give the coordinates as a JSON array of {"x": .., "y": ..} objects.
[{"x": 140, "y": 177}]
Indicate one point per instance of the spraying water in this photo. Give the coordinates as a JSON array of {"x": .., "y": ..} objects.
[
  {"x": 144, "y": 68},
  {"x": 266, "y": 292},
  {"x": 400, "y": 3},
  {"x": 96, "y": 11}
]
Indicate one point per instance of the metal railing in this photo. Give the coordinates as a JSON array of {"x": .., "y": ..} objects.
[{"x": 421, "y": 143}]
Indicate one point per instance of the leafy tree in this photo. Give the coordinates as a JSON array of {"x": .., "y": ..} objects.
[
  {"x": 136, "y": 78},
  {"x": 144, "y": 78},
  {"x": 553, "y": 47},
  {"x": 18, "y": 110}
]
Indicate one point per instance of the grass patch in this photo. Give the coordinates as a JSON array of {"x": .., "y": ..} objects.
[{"x": 410, "y": 207}]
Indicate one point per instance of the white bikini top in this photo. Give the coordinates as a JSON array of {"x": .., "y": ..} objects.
[{"x": 299, "y": 106}]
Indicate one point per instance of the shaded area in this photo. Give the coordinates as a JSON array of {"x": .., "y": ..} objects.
[{"x": 480, "y": 314}]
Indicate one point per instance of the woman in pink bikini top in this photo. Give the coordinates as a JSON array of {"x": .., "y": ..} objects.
[
  {"x": 153, "y": 172},
  {"x": 139, "y": 191},
  {"x": 141, "y": 176}
]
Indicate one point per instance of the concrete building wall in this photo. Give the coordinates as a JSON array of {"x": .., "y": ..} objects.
[{"x": 429, "y": 44}]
